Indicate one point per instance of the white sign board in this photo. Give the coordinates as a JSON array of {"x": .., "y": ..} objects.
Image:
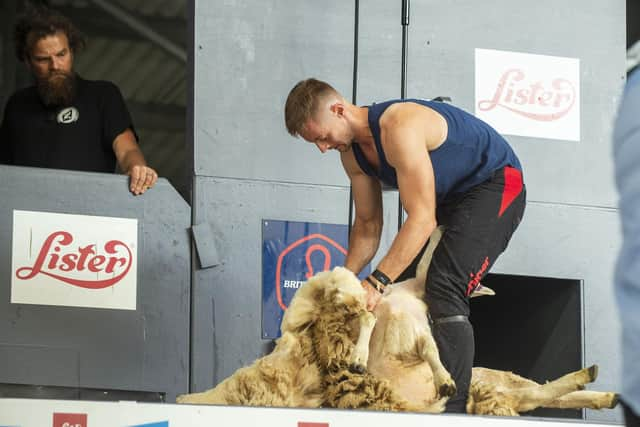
[
  {"x": 528, "y": 95},
  {"x": 74, "y": 260},
  {"x": 39, "y": 413}
]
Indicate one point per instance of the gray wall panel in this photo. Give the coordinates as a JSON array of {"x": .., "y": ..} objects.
[
  {"x": 441, "y": 61},
  {"x": 248, "y": 56},
  {"x": 379, "y": 51},
  {"x": 142, "y": 350},
  {"x": 22, "y": 364},
  {"x": 573, "y": 242}
]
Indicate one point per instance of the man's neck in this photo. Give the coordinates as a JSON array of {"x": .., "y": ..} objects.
[{"x": 362, "y": 132}]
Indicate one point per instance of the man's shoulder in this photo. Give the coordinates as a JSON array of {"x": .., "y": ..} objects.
[
  {"x": 101, "y": 92},
  {"x": 406, "y": 112},
  {"x": 98, "y": 85},
  {"x": 25, "y": 94}
]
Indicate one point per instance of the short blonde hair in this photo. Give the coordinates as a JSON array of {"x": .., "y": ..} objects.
[{"x": 302, "y": 103}]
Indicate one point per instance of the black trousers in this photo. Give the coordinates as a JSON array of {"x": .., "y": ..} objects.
[
  {"x": 631, "y": 418},
  {"x": 478, "y": 227}
]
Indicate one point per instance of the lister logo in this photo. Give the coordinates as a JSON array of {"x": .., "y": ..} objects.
[
  {"x": 528, "y": 94},
  {"x": 536, "y": 100},
  {"x": 55, "y": 263},
  {"x": 74, "y": 260},
  {"x": 69, "y": 420}
]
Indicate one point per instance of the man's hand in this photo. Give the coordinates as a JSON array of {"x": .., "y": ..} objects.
[
  {"x": 142, "y": 178},
  {"x": 373, "y": 296},
  {"x": 131, "y": 162}
]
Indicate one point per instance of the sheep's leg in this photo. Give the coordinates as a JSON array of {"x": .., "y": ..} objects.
[
  {"x": 360, "y": 355},
  {"x": 425, "y": 261},
  {"x": 531, "y": 398},
  {"x": 429, "y": 352},
  {"x": 585, "y": 399},
  {"x": 503, "y": 378},
  {"x": 215, "y": 396}
]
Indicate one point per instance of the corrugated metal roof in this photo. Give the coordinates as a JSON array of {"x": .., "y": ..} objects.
[
  {"x": 166, "y": 8},
  {"x": 144, "y": 73}
]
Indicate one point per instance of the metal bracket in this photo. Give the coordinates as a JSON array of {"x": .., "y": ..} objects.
[{"x": 205, "y": 245}]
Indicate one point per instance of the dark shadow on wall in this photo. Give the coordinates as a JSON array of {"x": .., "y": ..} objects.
[{"x": 533, "y": 327}]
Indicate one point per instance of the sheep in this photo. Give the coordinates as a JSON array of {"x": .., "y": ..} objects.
[
  {"x": 334, "y": 353},
  {"x": 321, "y": 358},
  {"x": 494, "y": 392},
  {"x": 403, "y": 351},
  {"x": 402, "y": 347},
  {"x": 286, "y": 377}
]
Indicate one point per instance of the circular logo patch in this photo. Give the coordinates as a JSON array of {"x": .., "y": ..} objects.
[{"x": 68, "y": 115}]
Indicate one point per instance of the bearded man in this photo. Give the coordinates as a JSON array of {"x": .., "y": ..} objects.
[{"x": 63, "y": 121}]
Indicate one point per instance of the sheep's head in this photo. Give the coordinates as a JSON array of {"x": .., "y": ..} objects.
[{"x": 328, "y": 290}]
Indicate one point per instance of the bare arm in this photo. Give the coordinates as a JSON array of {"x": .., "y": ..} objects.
[
  {"x": 131, "y": 162},
  {"x": 405, "y": 144},
  {"x": 367, "y": 227}
]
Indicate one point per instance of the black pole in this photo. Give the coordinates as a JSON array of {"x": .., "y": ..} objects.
[
  {"x": 353, "y": 100},
  {"x": 405, "y": 47},
  {"x": 403, "y": 79}
]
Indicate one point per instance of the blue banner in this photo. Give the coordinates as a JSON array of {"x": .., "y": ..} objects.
[{"x": 291, "y": 253}]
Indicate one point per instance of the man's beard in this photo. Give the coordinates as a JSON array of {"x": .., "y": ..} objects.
[{"x": 58, "y": 89}]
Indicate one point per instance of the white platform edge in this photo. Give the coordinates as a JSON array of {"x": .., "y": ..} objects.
[{"x": 39, "y": 413}]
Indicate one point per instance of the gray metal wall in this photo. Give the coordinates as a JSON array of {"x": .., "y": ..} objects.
[
  {"x": 145, "y": 350},
  {"x": 570, "y": 229},
  {"x": 249, "y": 54}
]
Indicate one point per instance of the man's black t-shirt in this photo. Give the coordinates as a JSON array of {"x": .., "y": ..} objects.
[{"x": 78, "y": 137}]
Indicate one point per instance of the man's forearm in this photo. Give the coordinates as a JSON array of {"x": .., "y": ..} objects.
[
  {"x": 131, "y": 158},
  {"x": 363, "y": 244},
  {"x": 406, "y": 246}
]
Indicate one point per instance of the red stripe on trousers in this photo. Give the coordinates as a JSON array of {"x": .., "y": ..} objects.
[{"x": 512, "y": 187}]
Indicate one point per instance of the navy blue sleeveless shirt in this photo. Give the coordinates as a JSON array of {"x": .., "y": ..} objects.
[{"x": 470, "y": 155}]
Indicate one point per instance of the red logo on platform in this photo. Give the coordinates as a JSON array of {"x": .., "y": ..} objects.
[
  {"x": 303, "y": 424},
  {"x": 69, "y": 420},
  {"x": 532, "y": 100},
  {"x": 53, "y": 262}
]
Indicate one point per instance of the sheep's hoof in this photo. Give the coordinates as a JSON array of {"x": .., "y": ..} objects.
[
  {"x": 356, "y": 368},
  {"x": 614, "y": 401},
  {"x": 593, "y": 373},
  {"x": 447, "y": 389}
]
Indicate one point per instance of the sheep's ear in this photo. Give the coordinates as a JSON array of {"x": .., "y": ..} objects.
[{"x": 295, "y": 323}]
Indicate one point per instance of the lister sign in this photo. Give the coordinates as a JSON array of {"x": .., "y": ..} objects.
[
  {"x": 528, "y": 95},
  {"x": 74, "y": 260}
]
